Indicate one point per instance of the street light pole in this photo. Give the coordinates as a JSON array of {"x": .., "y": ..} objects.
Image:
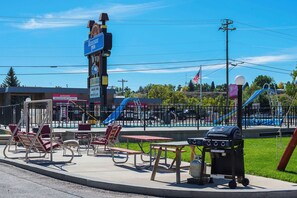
[{"x": 239, "y": 81}]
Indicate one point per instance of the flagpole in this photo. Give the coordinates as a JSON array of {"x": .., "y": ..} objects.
[{"x": 200, "y": 85}]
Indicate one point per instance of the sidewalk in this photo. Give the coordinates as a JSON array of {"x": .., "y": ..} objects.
[{"x": 100, "y": 172}]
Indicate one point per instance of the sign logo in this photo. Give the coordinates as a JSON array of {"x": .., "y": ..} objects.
[
  {"x": 94, "y": 44},
  {"x": 94, "y": 70}
]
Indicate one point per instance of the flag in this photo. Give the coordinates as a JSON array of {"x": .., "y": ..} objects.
[{"x": 197, "y": 77}]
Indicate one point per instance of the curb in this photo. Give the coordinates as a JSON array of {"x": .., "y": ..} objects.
[{"x": 120, "y": 187}]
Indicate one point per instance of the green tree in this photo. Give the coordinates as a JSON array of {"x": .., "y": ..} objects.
[
  {"x": 160, "y": 91},
  {"x": 221, "y": 88},
  {"x": 261, "y": 80},
  {"x": 212, "y": 86},
  {"x": 179, "y": 87},
  {"x": 259, "y": 83},
  {"x": 206, "y": 87},
  {"x": 191, "y": 86},
  {"x": 141, "y": 90},
  {"x": 281, "y": 85},
  {"x": 176, "y": 97},
  {"x": 290, "y": 89},
  {"x": 290, "y": 86},
  {"x": 11, "y": 80},
  {"x": 193, "y": 101}
]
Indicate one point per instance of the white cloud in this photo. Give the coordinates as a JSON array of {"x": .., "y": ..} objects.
[
  {"x": 160, "y": 70},
  {"x": 75, "y": 71},
  {"x": 80, "y": 16},
  {"x": 269, "y": 59}
]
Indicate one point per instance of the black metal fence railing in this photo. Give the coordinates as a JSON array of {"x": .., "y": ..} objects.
[
  {"x": 158, "y": 116},
  {"x": 10, "y": 114}
]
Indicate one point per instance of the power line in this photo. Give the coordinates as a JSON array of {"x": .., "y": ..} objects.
[
  {"x": 166, "y": 62},
  {"x": 155, "y": 69},
  {"x": 125, "y": 55},
  {"x": 279, "y": 72},
  {"x": 292, "y": 37},
  {"x": 3, "y": 17},
  {"x": 129, "y": 70},
  {"x": 276, "y": 68},
  {"x": 122, "y": 64},
  {"x": 165, "y": 68},
  {"x": 214, "y": 71}
]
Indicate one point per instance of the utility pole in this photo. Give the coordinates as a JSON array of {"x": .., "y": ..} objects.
[
  {"x": 123, "y": 82},
  {"x": 225, "y": 28}
]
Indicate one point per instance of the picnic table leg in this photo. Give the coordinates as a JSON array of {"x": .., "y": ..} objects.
[
  {"x": 156, "y": 164},
  {"x": 178, "y": 161},
  {"x": 192, "y": 153},
  {"x": 151, "y": 157},
  {"x": 127, "y": 143}
]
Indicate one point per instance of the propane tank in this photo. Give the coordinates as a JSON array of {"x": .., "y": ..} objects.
[{"x": 195, "y": 167}]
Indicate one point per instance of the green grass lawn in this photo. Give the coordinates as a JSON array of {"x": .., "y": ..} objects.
[{"x": 261, "y": 157}]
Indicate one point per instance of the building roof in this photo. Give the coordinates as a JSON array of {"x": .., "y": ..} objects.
[{"x": 43, "y": 90}]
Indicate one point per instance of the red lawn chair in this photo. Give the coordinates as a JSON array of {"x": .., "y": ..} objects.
[
  {"x": 110, "y": 139},
  {"x": 35, "y": 144}
]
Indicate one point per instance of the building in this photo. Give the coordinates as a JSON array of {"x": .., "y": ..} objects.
[{"x": 68, "y": 103}]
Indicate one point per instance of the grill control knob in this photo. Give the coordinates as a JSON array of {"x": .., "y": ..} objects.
[
  {"x": 223, "y": 143},
  {"x": 208, "y": 143},
  {"x": 215, "y": 143}
]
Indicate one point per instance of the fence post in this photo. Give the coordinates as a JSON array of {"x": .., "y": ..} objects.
[
  {"x": 288, "y": 122},
  {"x": 144, "y": 117},
  {"x": 245, "y": 117}
]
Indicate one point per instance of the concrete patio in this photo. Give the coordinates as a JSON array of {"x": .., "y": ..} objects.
[{"x": 100, "y": 172}]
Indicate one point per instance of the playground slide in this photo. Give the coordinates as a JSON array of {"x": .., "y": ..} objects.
[
  {"x": 251, "y": 99},
  {"x": 115, "y": 114}
]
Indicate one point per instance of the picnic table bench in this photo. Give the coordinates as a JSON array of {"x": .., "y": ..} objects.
[{"x": 125, "y": 151}]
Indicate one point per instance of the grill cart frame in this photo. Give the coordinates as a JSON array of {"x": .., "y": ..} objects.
[{"x": 226, "y": 148}]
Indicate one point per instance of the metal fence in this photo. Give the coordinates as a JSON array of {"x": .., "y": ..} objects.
[{"x": 159, "y": 116}]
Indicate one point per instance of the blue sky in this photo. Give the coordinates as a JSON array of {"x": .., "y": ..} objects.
[{"x": 177, "y": 36}]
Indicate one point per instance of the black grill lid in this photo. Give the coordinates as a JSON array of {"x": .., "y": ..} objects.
[{"x": 224, "y": 132}]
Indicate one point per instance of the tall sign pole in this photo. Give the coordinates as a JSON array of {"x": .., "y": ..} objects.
[
  {"x": 103, "y": 69},
  {"x": 97, "y": 48}
]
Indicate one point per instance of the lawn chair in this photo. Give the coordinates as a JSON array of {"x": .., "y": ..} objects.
[
  {"x": 110, "y": 139},
  {"x": 82, "y": 137},
  {"x": 45, "y": 132},
  {"x": 35, "y": 144},
  {"x": 13, "y": 131}
]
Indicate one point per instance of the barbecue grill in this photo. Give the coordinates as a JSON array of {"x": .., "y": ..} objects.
[{"x": 225, "y": 145}]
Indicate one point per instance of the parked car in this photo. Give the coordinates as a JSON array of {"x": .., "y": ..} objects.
[{"x": 191, "y": 114}]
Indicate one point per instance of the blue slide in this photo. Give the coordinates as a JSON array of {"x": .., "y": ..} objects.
[
  {"x": 114, "y": 115},
  {"x": 251, "y": 99}
]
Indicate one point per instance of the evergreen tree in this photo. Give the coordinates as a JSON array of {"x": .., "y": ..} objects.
[
  {"x": 11, "y": 79},
  {"x": 212, "y": 86},
  {"x": 191, "y": 86}
]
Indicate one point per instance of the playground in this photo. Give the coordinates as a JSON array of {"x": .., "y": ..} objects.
[
  {"x": 132, "y": 112},
  {"x": 256, "y": 150}
]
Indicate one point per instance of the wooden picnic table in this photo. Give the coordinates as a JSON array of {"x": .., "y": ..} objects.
[
  {"x": 178, "y": 145},
  {"x": 146, "y": 138}
]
